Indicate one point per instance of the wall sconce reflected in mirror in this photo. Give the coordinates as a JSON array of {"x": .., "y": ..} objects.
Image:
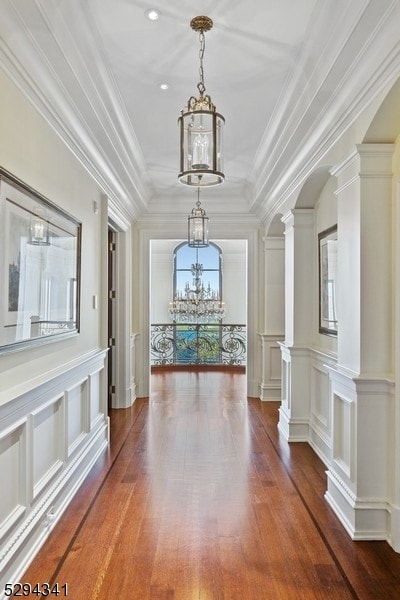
[{"x": 39, "y": 231}]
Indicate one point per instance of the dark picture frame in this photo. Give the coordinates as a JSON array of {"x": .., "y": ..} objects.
[
  {"x": 39, "y": 267},
  {"x": 327, "y": 267}
]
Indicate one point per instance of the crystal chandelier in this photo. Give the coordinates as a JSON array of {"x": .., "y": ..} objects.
[
  {"x": 200, "y": 128},
  {"x": 199, "y": 304}
]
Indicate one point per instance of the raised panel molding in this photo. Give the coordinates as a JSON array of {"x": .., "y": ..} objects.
[
  {"x": 321, "y": 404},
  {"x": 344, "y": 434},
  {"x": 47, "y": 443},
  {"x": 320, "y": 397},
  {"x": 95, "y": 413},
  {"x": 50, "y": 437},
  {"x": 350, "y": 425},
  {"x": 77, "y": 421},
  {"x": 294, "y": 413},
  {"x": 305, "y": 413},
  {"x": 271, "y": 371},
  {"x": 359, "y": 475},
  {"x": 13, "y": 469}
]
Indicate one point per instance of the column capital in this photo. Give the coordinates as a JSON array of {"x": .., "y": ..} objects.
[
  {"x": 365, "y": 160},
  {"x": 274, "y": 243},
  {"x": 298, "y": 217}
]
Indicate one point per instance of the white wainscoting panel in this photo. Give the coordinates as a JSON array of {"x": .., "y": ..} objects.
[
  {"x": 360, "y": 473},
  {"x": 95, "y": 396},
  {"x": 344, "y": 434},
  {"x": 270, "y": 386},
  {"x": 77, "y": 401},
  {"x": 321, "y": 405},
  {"x": 294, "y": 413},
  {"x": 52, "y": 430},
  {"x": 47, "y": 443},
  {"x": 13, "y": 476},
  {"x": 284, "y": 415}
]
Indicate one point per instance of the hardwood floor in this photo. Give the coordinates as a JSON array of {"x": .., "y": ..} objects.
[{"x": 199, "y": 498}]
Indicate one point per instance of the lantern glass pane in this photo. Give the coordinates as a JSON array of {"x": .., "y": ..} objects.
[
  {"x": 198, "y": 231},
  {"x": 201, "y": 148},
  {"x": 219, "y": 144}
]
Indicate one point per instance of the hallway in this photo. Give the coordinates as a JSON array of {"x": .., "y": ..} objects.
[{"x": 199, "y": 498}]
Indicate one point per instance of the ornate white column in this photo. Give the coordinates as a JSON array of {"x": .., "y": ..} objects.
[
  {"x": 274, "y": 318},
  {"x": 362, "y": 387},
  {"x": 299, "y": 267}
]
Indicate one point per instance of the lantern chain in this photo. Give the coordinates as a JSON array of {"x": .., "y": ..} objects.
[{"x": 200, "y": 86}]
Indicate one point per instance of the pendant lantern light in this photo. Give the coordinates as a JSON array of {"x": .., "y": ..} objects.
[
  {"x": 201, "y": 129},
  {"x": 198, "y": 226}
]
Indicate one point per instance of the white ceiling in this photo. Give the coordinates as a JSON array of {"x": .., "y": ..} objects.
[{"x": 287, "y": 75}]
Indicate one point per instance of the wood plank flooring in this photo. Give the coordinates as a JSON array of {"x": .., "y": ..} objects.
[{"x": 198, "y": 498}]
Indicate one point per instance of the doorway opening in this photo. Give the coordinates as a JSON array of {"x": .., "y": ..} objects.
[
  {"x": 111, "y": 320},
  {"x": 199, "y": 345}
]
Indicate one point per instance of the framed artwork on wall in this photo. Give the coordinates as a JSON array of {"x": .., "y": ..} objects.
[
  {"x": 39, "y": 267},
  {"x": 327, "y": 261}
]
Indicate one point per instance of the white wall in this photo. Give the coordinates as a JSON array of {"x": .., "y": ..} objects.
[
  {"x": 53, "y": 406},
  {"x": 161, "y": 273},
  {"x": 234, "y": 279},
  {"x": 30, "y": 150},
  {"x": 325, "y": 217}
]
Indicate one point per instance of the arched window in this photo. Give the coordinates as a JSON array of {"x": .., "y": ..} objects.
[{"x": 211, "y": 259}]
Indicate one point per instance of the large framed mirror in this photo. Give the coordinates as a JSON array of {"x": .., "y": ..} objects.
[
  {"x": 39, "y": 267},
  {"x": 327, "y": 255}
]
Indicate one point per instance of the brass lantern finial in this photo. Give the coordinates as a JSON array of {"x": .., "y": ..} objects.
[{"x": 201, "y": 23}]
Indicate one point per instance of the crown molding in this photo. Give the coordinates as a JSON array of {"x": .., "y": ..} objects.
[
  {"x": 353, "y": 81},
  {"x": 86, "y": 111},
  {"x": 228, "y": 225}
]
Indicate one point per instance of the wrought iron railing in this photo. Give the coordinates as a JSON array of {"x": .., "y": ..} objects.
[{"x": 198, "y": 344}]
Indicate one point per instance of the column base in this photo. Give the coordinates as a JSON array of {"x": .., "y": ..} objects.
[
  {"x": 293, "y": 430},
  {"x": 394, "y": 537},
  {"x": 270, "y": 393},
  {"x": 363, "y": 518}
]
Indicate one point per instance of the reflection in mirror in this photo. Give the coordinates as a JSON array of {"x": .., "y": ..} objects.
[
  {"x": 39, "y": 267},
  {"x": 327, "y": 281}
]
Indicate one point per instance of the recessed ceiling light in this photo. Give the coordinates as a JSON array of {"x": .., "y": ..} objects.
[
  {"x": 152, "y": 14},
  {"x": 164, "y": 86}
]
